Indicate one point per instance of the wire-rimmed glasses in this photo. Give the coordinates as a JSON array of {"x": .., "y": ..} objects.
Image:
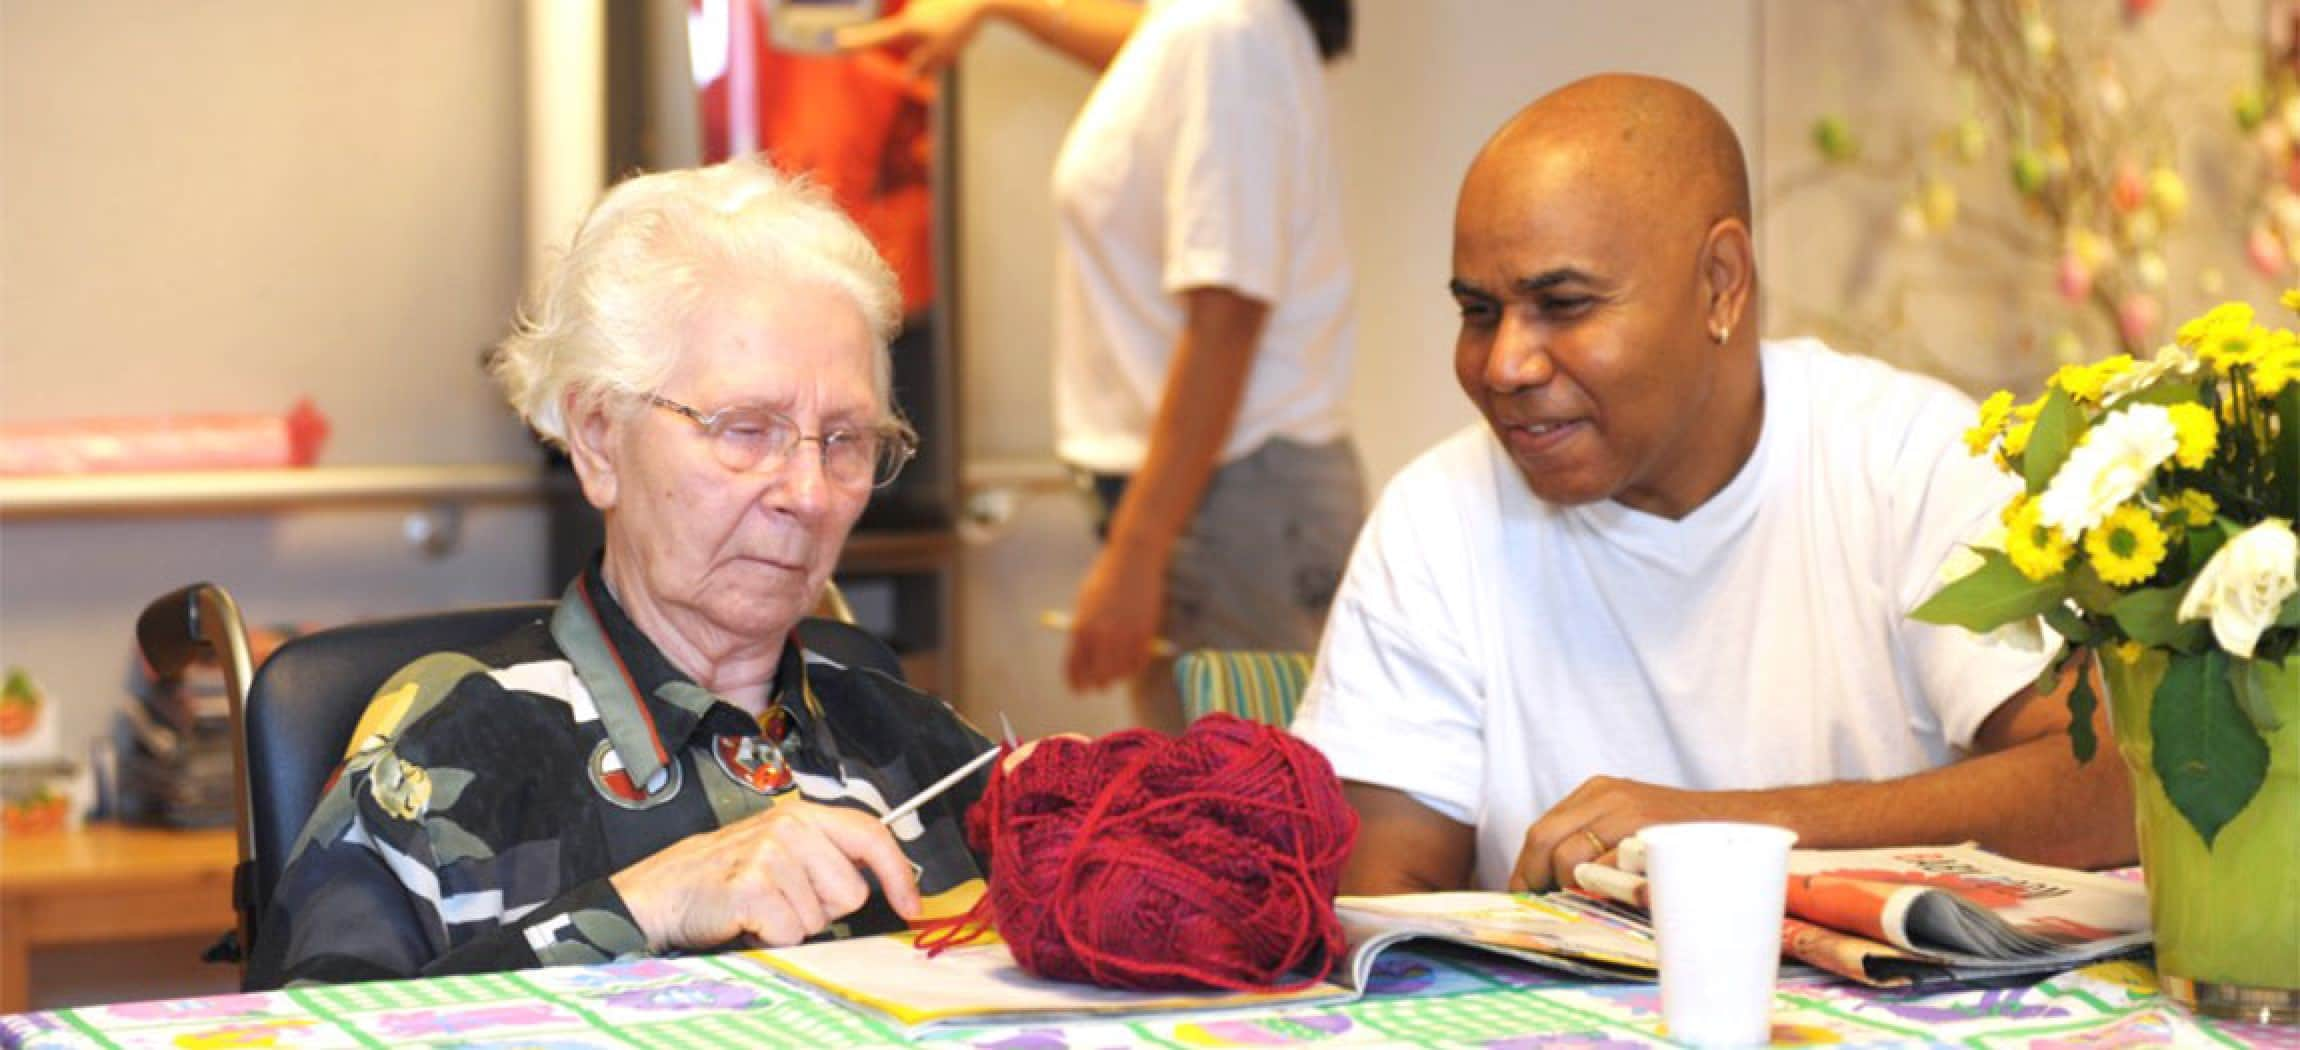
[{"x": 746, "y": 437}]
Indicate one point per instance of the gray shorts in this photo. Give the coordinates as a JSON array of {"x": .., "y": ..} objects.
[{"x": 1259, "y": 564}]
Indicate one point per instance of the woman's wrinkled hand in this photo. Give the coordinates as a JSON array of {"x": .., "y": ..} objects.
[{"x": 777, "y": 877}]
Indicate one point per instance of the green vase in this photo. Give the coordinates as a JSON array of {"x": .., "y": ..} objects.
[{"x": 2227, "y": 916}]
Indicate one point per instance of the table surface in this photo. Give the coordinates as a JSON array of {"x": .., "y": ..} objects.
[
  {"x": 107, "y": 883},
  {"x": 102, "y": 857},
  {"x": 1418, "y": 998}
]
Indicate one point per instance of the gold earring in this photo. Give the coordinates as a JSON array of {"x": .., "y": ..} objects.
[{"x": 1720, "y": 333}]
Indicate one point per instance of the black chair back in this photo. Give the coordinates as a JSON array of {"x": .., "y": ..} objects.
[{"x": 306, "y": 700}]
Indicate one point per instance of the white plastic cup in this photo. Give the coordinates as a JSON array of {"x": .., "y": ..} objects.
[{"x": 1718, "y": 890}]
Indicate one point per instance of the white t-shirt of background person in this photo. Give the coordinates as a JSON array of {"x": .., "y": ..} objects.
[
  {"x": 1204, "y": 158},
  {"x": 1488, "y": 651}
]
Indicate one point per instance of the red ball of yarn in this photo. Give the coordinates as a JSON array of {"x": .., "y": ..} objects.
[{"x": 1208, "y": 860}]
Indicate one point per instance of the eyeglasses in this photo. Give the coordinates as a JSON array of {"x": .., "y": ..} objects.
[{"x": 745, "y": 437}]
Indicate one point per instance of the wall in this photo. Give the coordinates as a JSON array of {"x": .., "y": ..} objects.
[
  {"x": 221, "y": 207},
  {"x": 1425, "y": 86}
]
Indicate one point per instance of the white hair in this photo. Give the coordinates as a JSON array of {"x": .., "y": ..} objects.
[{"x": 652, "y": 251}]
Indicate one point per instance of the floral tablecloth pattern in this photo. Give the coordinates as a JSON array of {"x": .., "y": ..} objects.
[{"x": 1418, "y": 998}]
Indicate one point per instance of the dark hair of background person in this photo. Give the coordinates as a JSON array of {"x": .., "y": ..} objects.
[{"x": 1330, "y": 23}]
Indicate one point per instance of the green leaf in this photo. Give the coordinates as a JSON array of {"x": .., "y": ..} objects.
[
  {"x": 2058, "y": 426},
  {"x": 2284, "y": 456},
  {"x": 1989, "y": 597},
  {"x": 2249, "y": 679},
  {"x": 2081, "y": 703},
  {"x": 2206, "y": 541},
  {"x": 2289, "y": 614},
  {"x": 2174, "y": 392},
  {"x": 2210, "y": 758},
  {"x": 2064, "y": 621},
  {"x": 2091, "y": 592},
  {"x": 2147, "y": 616}
]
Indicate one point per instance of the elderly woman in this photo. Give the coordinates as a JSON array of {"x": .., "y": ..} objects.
[{"x": 659, "y": 766}]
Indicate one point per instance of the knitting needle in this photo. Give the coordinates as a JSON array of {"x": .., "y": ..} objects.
[
  {"x": 1007, "y": 728},
  {"x": 938, "y": 787},
  {"x": 1057, "y": 620}
]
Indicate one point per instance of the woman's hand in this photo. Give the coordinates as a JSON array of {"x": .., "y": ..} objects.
[
  {"x": 779, "y": 877},
  {"x": 937, "y": 32}
]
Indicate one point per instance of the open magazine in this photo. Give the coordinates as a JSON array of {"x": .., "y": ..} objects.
[
  {"x": 1922, "y": 914},
  {"x": 979, "y": 983}
]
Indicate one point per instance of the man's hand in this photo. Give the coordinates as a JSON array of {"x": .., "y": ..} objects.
[
  {"x": 1603, "y": 811},
  {"x": 779, "y": 877},
  {"x": 937, "y": 32},
  {"x": 1116, "y": 619}
]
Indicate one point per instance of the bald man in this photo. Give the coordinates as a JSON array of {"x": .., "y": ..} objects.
[{"x": 1668, "y": 577}]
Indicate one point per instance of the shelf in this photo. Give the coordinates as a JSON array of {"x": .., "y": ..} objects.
[{"x": 224, "y": 491}]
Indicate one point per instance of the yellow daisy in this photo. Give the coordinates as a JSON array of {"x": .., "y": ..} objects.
[
  {"x": 2126, "y": 547},
  {"x": 2225, "y": 317},
  {"x": 2080, "y": 381},
  {"x": 2224, "y": 349},
  {"x": 2198, "y": 431},
  {"x": 1993, "y": 413},
  {"x": 2290, "y": 299},
  {"x": 2278, "y": 364},
  {"x": 2038, "y": 550},
  {"x": 2195, "y": 509}
]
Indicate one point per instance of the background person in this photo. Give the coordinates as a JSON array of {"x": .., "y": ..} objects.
[
  {"x": 1203, "y": 332},
  {"x": 1668, "y": 579},
  {"x": 659, "y": 766}
]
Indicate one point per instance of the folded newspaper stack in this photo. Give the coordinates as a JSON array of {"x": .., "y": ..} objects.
[{"x": 1924, "y": 914}]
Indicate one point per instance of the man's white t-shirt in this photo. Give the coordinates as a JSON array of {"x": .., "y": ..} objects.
[
  {"x": 1488, "y": 651},
  {"x": 1202, "y": 159}
]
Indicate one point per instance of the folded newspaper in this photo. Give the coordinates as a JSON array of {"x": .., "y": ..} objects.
[{"x": 1925, "y": 914}]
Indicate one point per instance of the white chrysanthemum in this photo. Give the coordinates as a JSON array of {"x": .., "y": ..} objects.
[
  {"x": 2169, "y": 361},
  {"x": 2245, "y": 583},
  {"x": 2108, "y": 469}
]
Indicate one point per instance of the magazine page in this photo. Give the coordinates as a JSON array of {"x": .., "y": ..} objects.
[
  {"x": 1559, "y": 932},
  {"x": 980, "y": 984}
]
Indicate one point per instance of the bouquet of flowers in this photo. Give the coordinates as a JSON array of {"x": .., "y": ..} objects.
[{"x": 2156, "y": 521}]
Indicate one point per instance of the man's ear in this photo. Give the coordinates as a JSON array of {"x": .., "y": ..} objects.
[
  {"x": 592, "y": 430},
  {"x": 1729, "y": 272}
]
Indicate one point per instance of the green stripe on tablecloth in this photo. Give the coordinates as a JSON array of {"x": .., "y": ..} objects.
[
  {"x": 73, "y": 1018},
  {"x": 801, "y": 1025},
  {"x": 1480, "y": 1017},
  {"x": 1834, "y": 1012},
  {"x": 400, "y": 995},
  {"x": 310, "y": 999}
]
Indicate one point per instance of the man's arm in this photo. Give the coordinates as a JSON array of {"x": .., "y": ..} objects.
[
  {"x": 1089, "y": 31},
  {"x": 2021, "y": 794},
  {"x": 1404, "y": 846},
  {"x": 1124, "y": 594}
]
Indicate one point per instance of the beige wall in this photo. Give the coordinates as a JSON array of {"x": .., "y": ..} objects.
[
  {"x": 221, "y": 207},
  {"x": 1425, "y": 86}
]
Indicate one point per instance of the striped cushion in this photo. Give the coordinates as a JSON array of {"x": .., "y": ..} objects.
[{"x": 1262, "y": 686}]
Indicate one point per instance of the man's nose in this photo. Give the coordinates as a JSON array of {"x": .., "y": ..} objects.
[{"x": 1519, "y": 357}]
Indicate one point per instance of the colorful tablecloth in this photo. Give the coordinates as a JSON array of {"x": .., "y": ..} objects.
[{"x": 1418, "y": 998}]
